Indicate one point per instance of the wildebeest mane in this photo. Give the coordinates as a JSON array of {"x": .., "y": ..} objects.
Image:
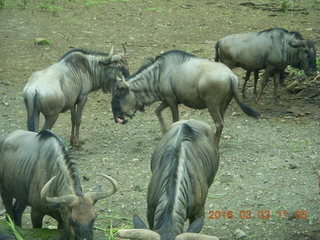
[
  {"x": 148, "y": 62},
  {"x": 183, "y": 56},
  {"x": 295, "y": 34},
  {"x": 69, "y": 159},
  {"x": 83, "y": 51}
]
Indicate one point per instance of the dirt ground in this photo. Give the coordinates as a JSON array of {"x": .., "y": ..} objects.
[{"x": 266, "y": 166}]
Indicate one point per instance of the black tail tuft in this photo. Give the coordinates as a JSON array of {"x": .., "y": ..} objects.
[
  {"x": 217, "y": 57},
  {"x": 31, "y": 105},
  {"x": 245, "y": 108}
]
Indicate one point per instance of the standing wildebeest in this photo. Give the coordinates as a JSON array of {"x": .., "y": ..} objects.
[
  {"x": 37, "y": 170},
  {"x": 272, "y": 49},
  {"x": 178, "y": 77},
  {"x": 183, "y": 164},
  {"x": 66, "y": 84}
]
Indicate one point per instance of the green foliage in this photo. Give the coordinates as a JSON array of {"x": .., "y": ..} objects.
[
  {"x": 286, "y": 4},
  {"x": 24, "y": 4},
  {"x": 318, "y": 64},
  {"x": 49, "y": 5},
  {"x": 14, "y": 230},
  {"x": 2, "y": 3}
]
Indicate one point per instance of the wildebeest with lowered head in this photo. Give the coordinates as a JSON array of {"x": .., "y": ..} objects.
[
  {"x": 37, "y": 170},
  {"x": 272, "y": 49},
  {"x": 178, "y": 77},
  {"x": 66, "y": 84},
  {"x": 183, "y": 164}
]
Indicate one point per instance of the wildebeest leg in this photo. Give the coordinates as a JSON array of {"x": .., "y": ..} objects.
[
  {"x": 276, "y": 86},
  {"x": 36, "y": 218},
  {"x": 50, "y": 121},
  {"x": 281, "y": 79},
  {"x": 196, "y": 224},
  {"x": 7, "y": 202},
  {"x": 158, "y": 111},
  {"x": 256, "y": 77},
  {"x": 218, "y": 120},
  {"x": 79, "y": 108},
  {"x": 245, "y": 83},
  {"x": 18, "y": 209},
  {"x": 268, "y": 72},
  {"x": 73, "y": 123},
  {"x": 174, "y": 111}
]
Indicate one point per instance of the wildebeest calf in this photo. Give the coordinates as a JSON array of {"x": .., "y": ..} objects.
[
  {"x": 37, "y": 170},
  {"x": 183, "y": 167}
]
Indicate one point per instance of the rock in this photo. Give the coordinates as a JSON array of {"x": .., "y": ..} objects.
[
  {"x": 239, "y": 234},
  {"x": 138, "y": 187},
  {"x": 292, "y": 166},
  {"x": 292, "y": 86}
]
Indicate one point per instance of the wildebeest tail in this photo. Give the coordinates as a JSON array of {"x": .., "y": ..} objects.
[
  {"x": 217, "y": 57},
  {"x": 31, "y": 102},
  {"x": 245, "y": 108}
]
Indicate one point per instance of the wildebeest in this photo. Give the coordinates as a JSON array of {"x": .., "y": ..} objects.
[
  {"x": 272, "y": 49},
  {"x": 37, "y": 170},
  {"x": 66, "y": 84},
  {"x": 183, "y": 164},
  {"x": 178, "y": 77}
]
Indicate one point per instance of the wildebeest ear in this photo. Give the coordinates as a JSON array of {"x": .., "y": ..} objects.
[
  {"x": 297, "y": 43},
  {"x": 115, "y": 58},
  {"x": 196, "y": 225},
  {"x": 138, "y": 223}
]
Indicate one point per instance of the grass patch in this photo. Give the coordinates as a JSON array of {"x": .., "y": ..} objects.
[
  {"x": 94, "y": 3},
  {"x": 111, "y": 231},
  {"x": 12, "y": 227},
  {"x": 155, "y": 9}
]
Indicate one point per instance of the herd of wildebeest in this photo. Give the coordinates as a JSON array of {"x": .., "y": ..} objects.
[{"x": 37, "y": 169}]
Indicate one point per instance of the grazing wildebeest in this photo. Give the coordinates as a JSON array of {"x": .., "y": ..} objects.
[
  {"x": 37, "y": 170},
  {"x": 272, "y": 49},
  {"x": 178, "y": 77},
  {"x": 66, "y": 84},
  {"x": 183, "y": 164}
]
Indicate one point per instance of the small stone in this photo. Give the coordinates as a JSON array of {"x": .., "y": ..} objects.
[
  {"x": 239, "y": 234},
  {"x": 139, "y": 187},
  {"x": 292, "y": 166}
]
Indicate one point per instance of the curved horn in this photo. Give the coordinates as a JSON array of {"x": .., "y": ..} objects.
[
  {"x": 144, "y": 234},
  {"x": 195, "y": 236},
  {"x": 111, "y": 52},
  {"x": 68, "y": 199},
  {"x": 99, "y": 195},
  {"x": 124, "y": 52},
  {"x": 122, "y": 83},
  {"x": 45, "y": 188}
]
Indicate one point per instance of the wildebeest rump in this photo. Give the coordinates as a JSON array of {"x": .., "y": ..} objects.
[
  {"x": 183, "y": 164},
  {"x": 272, "y": 49},
  {"x": 66, "y": 84},
  {"x": 37, "y": 170},
  {"x": 178, "y": 77}
]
